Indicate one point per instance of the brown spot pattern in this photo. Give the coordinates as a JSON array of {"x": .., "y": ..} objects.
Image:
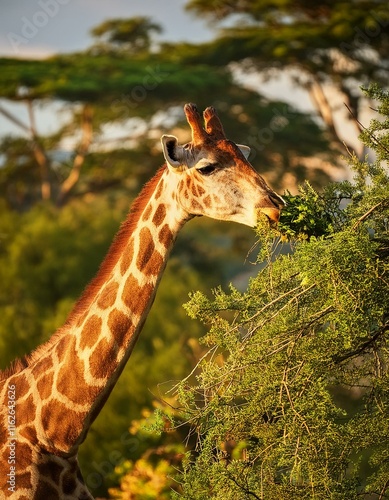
[
  {"x": 23, "y": 480},
  {"x": 200, "y": 190},
  {"x": 3, "y": 430},
  {"x": 4, "y": 458},
  {"x": 51, "y": 470},
  {"x": 22, "y": 385},
  {"x": 119, "y": 324},
  {"x": 61, "y": 346},
  {"x": 61, "y": 424},
  {"x": 26, "y": 410},
  {"x": 127, "y": 257},
  {"x": 43, "y": 365},
  {"x": 44, "y": 386},
  {"x": 196, "y": 205},
  {"x": 24, "y": 456},
  {"x": 136, "y": 297},
  {"x": 207, "y": 201},
  {"x": 30, "y": 434},
  {"x": 45, "y": 490},
  {"x": 159, "y": 215},
  {"x": 147, "y": 247},
  {"x": 90, "y": 332},
  {"x": 159, "y": 189},
  {"x": 82, "y": 318},
  {"x": 70, "y": 381},
  {"x": 69, "y": 483},
  {"x": 96, "y": 408},
  {"x": 102, "y": 361},
  {"x": 108, "y": 295},
  {"x": 165, "y": 235},
  {"x": 147, "y": 213},
  {"x": 154, "y": 264}
]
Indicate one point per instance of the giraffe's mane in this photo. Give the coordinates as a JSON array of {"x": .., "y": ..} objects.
[{"x": 110, "y": 260}]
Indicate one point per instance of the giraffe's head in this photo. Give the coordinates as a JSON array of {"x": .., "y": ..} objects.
[{"x": 213, "y": 175}]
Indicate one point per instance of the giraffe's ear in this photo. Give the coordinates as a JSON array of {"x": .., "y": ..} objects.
[
  {"x": 245, "y": 150},
  {"x": 172, "y": 151}
]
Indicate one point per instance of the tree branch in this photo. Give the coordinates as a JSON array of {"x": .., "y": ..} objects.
[
  {"x": 87, "y": 135},
  {"x": 366, "y": 215},
  {"x": 362, "y": 347},
  {"x": 382, "y": 492},
  {"x": 15, "y": 120},
  {"x": 39, "y": 153},
  {"x": 242, "y": 487},
  {"x": 324, "y": 109},
  {"x": 362, "y": 127}
]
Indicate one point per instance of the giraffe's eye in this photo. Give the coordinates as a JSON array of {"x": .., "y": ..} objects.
[{"x": 207, "y": 170}]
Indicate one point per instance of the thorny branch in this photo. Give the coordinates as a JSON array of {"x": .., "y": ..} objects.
[
  {"x": 370, "y": 134},
  {"x": 366, "y": 215},
  {"x": 362, "y": 347},
  {"x": 295, "y": 297},
  {"x": 244, "y": 488}
]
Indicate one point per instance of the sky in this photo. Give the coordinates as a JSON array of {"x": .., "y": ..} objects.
[
  {"x": 36, "y": 28},
  {"x": 40, "y": 28}
]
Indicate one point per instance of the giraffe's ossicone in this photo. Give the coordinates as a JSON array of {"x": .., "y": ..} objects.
[{"x": 49, "y": 399}]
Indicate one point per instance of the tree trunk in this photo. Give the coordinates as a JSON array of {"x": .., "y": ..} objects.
[
  {"x": 87, "y": 135},
  {"x": 40, "y": 154},
  {"x": 320, "y": 101}
]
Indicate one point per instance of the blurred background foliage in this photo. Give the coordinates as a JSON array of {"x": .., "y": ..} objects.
[{"x": 64, "y": 193}]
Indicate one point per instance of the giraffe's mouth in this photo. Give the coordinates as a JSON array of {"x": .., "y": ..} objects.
[
  {"x": 272, "y": 214},
  {"x": 273, "y": 208}
]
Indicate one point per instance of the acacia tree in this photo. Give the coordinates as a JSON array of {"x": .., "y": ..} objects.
[
  {"x": 328, "y": 46},
  {"x": 291, "y": 397},
  {"x": 119, "y": 80},
  {"x": 126, "y": 36}
]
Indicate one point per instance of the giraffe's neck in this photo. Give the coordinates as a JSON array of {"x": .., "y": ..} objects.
[{"x": 83, "y": 361}]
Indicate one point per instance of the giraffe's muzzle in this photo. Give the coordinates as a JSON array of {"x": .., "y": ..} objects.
[{"x": 273, "y": 208}]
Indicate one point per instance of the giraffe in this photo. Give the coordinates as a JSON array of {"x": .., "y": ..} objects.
[{"x": 49, "y": 399}]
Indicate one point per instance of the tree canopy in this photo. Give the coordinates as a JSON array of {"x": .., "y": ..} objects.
[
  {"x": 328, "y": 45},
  {"x": 129, "y": 36}
]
